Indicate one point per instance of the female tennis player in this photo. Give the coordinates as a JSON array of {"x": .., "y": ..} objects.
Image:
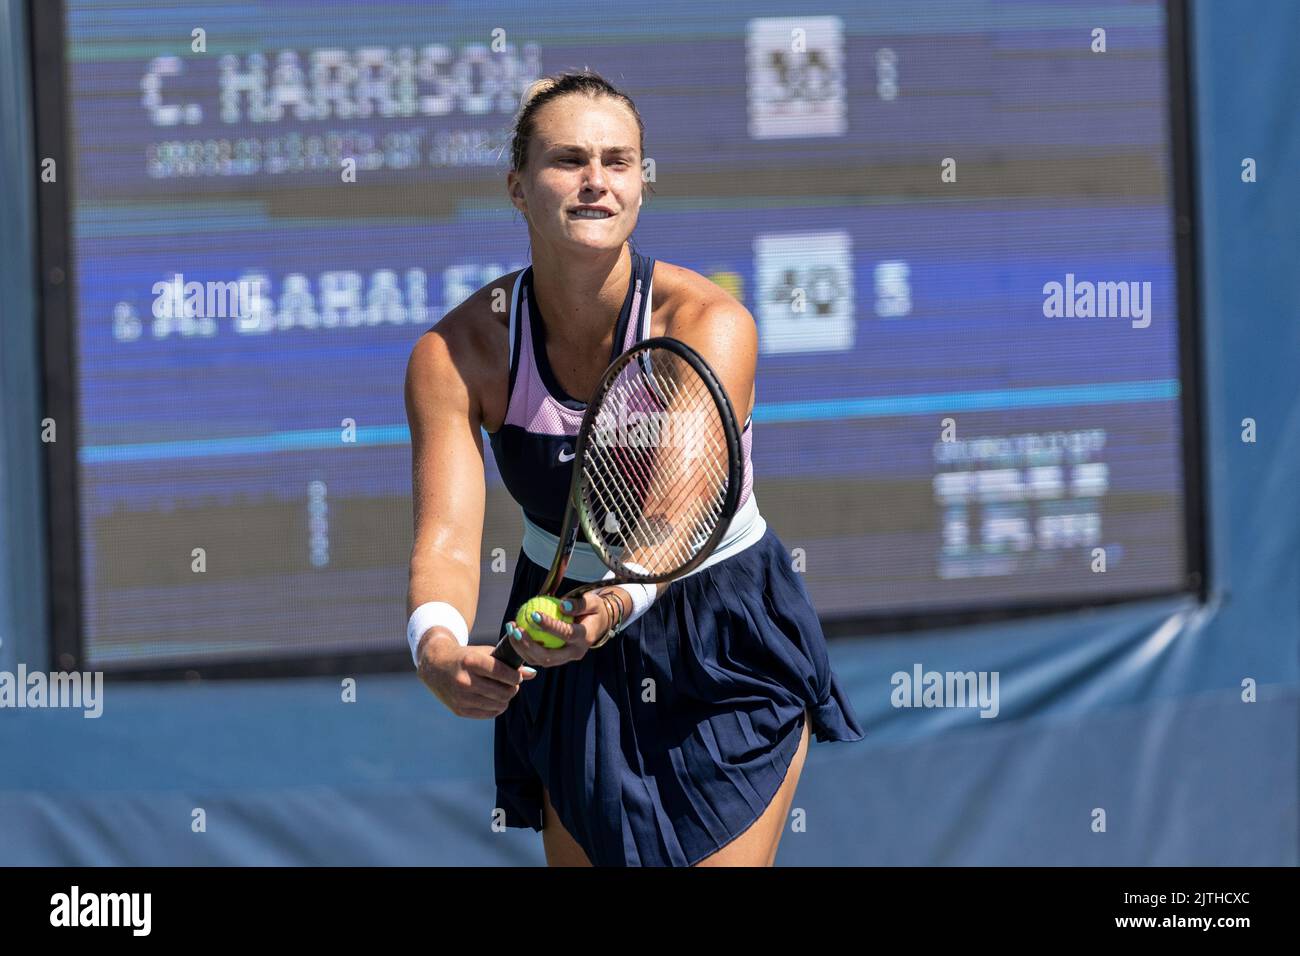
[{"x": 671, "y": 727}]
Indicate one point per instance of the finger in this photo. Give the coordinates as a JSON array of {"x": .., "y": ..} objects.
[
  {"x": 529, "y": 650},
  {"x": 483, "y": 693},
  {"x": 561, "y": 629},
  {"x": 593, "y": 618},
  {"x": 540, "y": 655},
  {"x": 525, "y": 671},
  {"x": 485, "y": 665},
  {"x": 582, "y": 605}
]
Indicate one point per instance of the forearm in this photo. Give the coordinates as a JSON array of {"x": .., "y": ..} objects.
[{"x": 436, "y": 577}]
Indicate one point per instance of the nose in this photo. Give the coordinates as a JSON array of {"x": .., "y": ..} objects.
[{"x": 594, "y": 177}]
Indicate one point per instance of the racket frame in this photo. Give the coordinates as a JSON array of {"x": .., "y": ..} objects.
[{"x": 575, "y": 511}]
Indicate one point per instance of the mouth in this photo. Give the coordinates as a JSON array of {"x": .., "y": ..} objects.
[{"x": 590, "y": 212}]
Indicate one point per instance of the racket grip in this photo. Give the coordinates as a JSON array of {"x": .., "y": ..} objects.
[{"x": 506, "y": 653}]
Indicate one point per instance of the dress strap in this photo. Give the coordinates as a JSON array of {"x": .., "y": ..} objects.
[
  {"x": 638, "y": 323},
  {"x": 513, "y": 341},
  {"x": 643, "y": 332}
]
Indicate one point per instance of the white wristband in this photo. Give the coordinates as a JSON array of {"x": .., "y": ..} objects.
[
  {"x": 642, "y": 595},
  {"x": 434, "y": 614}
]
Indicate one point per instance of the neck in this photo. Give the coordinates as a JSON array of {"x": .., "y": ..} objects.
[{"x": 580, "y": 297}]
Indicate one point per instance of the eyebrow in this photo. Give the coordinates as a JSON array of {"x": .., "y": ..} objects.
[{"x": 582, "y": 149}]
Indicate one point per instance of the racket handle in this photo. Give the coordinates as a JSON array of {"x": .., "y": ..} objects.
[{"x": 506, "y": 653}]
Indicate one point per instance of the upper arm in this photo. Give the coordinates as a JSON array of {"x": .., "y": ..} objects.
[
  {"x": 448, "y": 484},
  {"x": 726, "y": 336}
]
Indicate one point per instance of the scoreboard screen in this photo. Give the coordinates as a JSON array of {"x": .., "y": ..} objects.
[{"x": 953, "y": 222}]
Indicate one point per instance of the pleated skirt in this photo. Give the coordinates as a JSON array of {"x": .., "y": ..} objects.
[{"x": 668, "y": 742}]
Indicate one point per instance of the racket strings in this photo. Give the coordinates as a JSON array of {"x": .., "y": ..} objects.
[
  {"x": 639, "y": 476},
  {"x": 655, "y": 469},
  {"x": 716, "y": 474}
]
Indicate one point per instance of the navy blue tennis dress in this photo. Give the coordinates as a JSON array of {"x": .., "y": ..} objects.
[{"x": 669, "y": 741}]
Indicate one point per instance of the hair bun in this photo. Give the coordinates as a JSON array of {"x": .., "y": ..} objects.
[{"x": 536, "y": 88}]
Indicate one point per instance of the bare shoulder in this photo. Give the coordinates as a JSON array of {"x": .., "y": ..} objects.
[
  {"x": 688, "y": 297},
  {"x": 697, "y": 307},
  {"x": 465, "y": 355},
  {"x": 703, "y": 314}
]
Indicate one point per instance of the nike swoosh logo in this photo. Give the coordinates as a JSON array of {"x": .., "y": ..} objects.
[{"x": 569, "y": 457}]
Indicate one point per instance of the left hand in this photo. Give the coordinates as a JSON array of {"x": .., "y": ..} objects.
[{"x": 590, "y": 622}]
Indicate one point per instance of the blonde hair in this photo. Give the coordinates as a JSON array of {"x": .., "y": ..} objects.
[{"x": 534, "y": 89}]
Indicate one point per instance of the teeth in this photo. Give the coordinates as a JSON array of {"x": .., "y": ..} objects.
[{"x": 590, "y": 214}]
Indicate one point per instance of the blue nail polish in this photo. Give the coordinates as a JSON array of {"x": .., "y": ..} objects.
[
  {"x": 537, "y": 618},
  {"x": 514, "y": 632},
  {"x": 567, "y": 605}
]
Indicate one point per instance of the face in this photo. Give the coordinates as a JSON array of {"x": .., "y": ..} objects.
[{"x": 585, "y": 152}]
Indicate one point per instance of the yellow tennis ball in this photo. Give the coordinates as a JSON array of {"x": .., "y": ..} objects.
[{"x": 550, "y": 606}]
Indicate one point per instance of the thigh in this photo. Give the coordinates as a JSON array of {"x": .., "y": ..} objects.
[
  {"x": 757, "y": 845},
  {"x": 561, "y": 848}
]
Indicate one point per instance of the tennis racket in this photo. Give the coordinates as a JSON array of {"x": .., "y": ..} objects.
[{"x": 657, "y": 471}]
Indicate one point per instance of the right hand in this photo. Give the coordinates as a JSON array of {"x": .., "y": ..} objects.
[{"x": 469, "y": 680}]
